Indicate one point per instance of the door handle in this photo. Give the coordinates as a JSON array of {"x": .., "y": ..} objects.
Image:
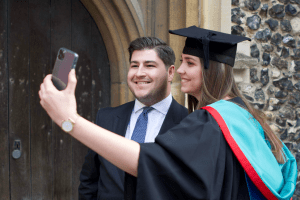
[{"x": 16, "y": 154}]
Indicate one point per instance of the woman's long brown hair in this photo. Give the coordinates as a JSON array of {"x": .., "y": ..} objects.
[{"x": 217, "y": 83}]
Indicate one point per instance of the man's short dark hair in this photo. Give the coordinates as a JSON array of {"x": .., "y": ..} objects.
[{"x": 164, "y": 52}]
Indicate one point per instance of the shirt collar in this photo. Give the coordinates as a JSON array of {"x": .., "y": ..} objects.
[{"x": 161, "y": 106}]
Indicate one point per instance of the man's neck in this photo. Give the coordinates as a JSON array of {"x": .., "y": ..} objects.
[{"x": 148, "y": 104}]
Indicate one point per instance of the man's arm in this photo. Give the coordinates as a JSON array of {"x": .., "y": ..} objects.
[{"x": 89, "y": 177}]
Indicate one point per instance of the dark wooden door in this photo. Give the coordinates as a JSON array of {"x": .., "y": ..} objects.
[{"x": 31, "y": 32}]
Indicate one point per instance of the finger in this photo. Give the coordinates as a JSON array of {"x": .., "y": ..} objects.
[
  {"x": 42, "y": 103},
  {"x": 72, "y": 82},
  {"x": 42, "y": 88},
  {"x": 48, "y": 84},
  {"x": 40, "y": 94},
  {"x": 48, "y": 77}
]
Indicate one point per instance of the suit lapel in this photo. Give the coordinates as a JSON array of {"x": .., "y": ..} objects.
[
  {"x": 120, "y": 125},
  {"x": 121, "y": 120}
]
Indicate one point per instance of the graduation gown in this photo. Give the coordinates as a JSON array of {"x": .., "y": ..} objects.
[{"x": 190, "y": 161}]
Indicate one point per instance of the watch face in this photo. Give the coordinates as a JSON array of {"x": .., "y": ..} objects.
[{"x": 67, "y": 126}]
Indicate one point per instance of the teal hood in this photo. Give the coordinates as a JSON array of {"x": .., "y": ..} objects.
[{"x": 246, "y": 138}]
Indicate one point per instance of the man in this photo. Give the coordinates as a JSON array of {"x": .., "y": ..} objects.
[{"x": 149, "y": 79}]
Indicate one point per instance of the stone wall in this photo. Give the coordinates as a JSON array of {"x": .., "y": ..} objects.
[{"x": 274, "y": 86}]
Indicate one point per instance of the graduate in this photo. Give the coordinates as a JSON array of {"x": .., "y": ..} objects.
[{"x": 224, "y": 149}]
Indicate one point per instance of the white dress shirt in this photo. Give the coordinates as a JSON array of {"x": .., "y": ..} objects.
[{"x": 156, "y": 118}]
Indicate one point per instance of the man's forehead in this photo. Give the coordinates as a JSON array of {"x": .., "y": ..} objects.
[
  {"x": 144, "y": 56},
  {"x": 145, "y": 61}
]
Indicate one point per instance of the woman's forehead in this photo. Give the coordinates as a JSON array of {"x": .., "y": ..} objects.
[{"x": 187, "y": 56}]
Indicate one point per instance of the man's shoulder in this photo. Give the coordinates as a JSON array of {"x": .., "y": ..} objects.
[
  {"x": 177, "y": 111},
  {"x": 107, "y": 114},
  {"x": 178, "y": 107},
  {"x": 111, "y": 110}
]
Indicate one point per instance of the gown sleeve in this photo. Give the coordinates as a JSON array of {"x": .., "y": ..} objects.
[{"x": 190, "y": 161}]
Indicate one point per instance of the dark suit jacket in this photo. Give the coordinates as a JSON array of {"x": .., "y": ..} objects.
[{"x": 99, "y": 179}]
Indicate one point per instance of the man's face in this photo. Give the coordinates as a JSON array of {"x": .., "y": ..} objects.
[{"x": 148, "y": 79}]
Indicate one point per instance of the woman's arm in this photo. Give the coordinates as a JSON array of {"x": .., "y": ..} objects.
[
  {"x": 118, "y": 150},
  {"x": 61, "y": 105}
]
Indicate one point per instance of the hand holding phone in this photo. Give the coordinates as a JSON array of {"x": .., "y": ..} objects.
[{"x": 65, "y": 61}]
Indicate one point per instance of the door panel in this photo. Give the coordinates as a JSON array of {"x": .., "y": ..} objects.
[
  {"x": 81, "y": 42},
  {"x": 4, "y": 145},
  {"x": 41, "y": 137},
  {"x": 61, "y": 36},
  {"x": 31, "y": 32},
  {"x": 19, "y": 107}
]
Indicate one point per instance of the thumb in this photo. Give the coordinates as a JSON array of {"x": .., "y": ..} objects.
[{"x": 72, "y": 82}]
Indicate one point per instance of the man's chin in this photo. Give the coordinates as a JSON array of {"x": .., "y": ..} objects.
[
  {"x": 144, "y": 98},
  {"x": 150, "y": 97}
]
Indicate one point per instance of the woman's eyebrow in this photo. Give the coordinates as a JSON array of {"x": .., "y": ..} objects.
[{"x": 190, "y": 58}]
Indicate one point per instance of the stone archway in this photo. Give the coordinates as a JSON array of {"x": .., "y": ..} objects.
[{"x": 119, "y": 22}]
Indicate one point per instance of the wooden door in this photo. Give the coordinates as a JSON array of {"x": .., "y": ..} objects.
[{"x": 31, "y": 32}]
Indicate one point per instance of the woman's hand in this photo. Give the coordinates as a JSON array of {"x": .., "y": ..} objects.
[{"x": 60, "y": 105}]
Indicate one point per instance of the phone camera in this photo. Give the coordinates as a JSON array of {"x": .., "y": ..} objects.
[{"x": 61, "y": 55}]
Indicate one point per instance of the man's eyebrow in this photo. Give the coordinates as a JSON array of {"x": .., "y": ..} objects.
[
  {"x": 150, "y": 61},
  {"x": 147, "y": 61}
]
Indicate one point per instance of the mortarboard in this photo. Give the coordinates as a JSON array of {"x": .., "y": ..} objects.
[{"x": 210, "y": 45}]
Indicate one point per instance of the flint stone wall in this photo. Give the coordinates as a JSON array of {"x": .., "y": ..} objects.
[{"x": 270, "y": 78}]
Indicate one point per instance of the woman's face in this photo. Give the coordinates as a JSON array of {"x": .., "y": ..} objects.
[{"x": 190, "y": 73}]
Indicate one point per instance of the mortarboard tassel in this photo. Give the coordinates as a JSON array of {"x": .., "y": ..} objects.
[{"x": 205, "y": 42}]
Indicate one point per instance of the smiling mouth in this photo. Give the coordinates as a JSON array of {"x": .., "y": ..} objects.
[
  {"x": 184, "y": 80},
  {"x": 141, "y": 83}
]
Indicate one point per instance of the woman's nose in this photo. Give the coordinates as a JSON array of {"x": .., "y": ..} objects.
[{"x": 180, "y": 70}]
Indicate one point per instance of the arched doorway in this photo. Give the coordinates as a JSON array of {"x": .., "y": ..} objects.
[
  {"x": 31, "y": 34},
  {"x": 120, "y": 22}
]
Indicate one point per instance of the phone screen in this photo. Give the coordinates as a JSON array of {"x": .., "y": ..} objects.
[{"x": 65, "y": 61}]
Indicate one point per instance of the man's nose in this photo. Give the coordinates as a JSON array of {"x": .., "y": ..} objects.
[{"x": 141, "y": 71}]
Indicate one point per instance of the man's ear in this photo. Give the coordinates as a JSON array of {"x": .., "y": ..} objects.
[{"x": 171, "y": 72}]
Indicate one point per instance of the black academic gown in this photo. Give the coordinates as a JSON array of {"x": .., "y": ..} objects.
[
  {"x": 190, "y": 161},
  {"x": 101, "y": 180}
]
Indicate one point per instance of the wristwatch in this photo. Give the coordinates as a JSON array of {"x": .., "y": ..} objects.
[{"x": 67, "y": 125}]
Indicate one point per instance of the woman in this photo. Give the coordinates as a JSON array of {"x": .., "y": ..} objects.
[{"x": 225, "y": 150}]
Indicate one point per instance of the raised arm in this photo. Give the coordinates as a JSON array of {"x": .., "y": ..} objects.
[{"x": 61, "y": 105}]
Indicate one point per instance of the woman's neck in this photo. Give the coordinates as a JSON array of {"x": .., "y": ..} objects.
[{"x": 227, "y": 98}]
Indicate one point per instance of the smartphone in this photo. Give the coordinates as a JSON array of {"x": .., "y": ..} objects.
[{"x": 65, "y": 61}]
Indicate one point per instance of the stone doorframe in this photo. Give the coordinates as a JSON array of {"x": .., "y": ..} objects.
[{"x": 121, "y": 21}]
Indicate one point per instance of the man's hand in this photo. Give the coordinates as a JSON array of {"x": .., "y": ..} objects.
[{"x": 60, "y": 105}]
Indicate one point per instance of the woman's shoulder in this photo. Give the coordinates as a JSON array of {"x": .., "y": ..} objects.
[
  {"x": 200, "y": 116},
  {"x": 195, "y": 124},
  {"x": 204, "y": 114}
]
